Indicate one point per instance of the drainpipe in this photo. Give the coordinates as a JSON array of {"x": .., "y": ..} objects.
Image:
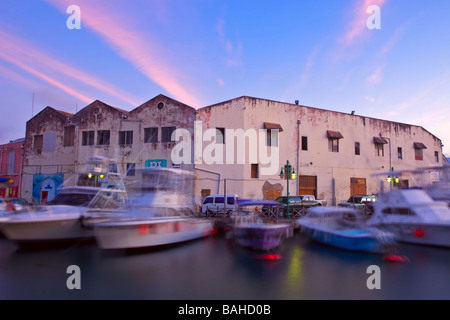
[{"x": 298, "y": 156}]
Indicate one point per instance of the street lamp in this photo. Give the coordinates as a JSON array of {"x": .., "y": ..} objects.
[{"x": 289, "y": 173}]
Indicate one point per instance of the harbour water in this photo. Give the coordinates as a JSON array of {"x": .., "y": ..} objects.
[{"x": 216, "y": 269}]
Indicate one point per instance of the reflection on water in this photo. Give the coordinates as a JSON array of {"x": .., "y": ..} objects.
[{"x": 215, "y": 268}]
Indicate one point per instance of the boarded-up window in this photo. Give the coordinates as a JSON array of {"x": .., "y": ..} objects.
[
  {"x": 38, "y": 142},
  {"x": 418, "y": 150},
  {"x": 11, "y": 162},
  {"x": 49, "y": 141},
  {"x": 69, "y": 136}
]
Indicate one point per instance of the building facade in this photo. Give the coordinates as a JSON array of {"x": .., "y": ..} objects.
[
  {"x": 235, "y": 147},
  {"x": 58, "y": 145},
  {"x": 334, "y": 154},
  {"x": 11, "y": 168}
]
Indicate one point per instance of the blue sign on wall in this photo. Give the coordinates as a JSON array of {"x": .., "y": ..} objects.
[{"x": 156, "y": 163}]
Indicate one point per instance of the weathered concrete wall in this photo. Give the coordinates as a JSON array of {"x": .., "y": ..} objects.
[{"x": 333, "y": 170}]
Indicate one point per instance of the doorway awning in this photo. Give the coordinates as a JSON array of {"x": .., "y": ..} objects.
[
  {"x": 273, "y": 126},
  {"x": 379, "y": 140},
  {"x": 419, "y": 145},
  {"x": 334, "y": 135}
]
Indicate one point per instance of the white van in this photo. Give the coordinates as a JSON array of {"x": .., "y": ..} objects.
[{"x": 215, "y": 204}]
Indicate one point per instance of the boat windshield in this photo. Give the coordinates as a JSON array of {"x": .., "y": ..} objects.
[{"x": 73, "y": 199}]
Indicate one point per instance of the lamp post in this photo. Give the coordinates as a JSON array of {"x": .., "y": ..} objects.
[
  {"x": 390, "y": 178},
  {"x": 289, "y": 173}
]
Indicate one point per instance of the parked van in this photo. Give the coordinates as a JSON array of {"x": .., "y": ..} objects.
[{"x": 215, "y": 204}]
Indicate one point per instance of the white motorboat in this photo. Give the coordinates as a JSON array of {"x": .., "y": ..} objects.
[
  {"x": 61, "y": 218},
  {"x": 58, "y": 220},
  {"x": 157, "y": 212},
  {"x": 413, "y": 216},
  {"x": 345, "y": 228}
]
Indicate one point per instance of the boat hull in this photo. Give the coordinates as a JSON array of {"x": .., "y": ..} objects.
[
  {"x": 260, "y": 236},
  {"x": 358, "y": 240},
  {"x": 420, "y": 234},
  {"x": 45, "y": 227},
  {"x": 149, "y": 233}
]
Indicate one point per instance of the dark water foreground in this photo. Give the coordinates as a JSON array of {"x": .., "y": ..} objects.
[{"x": 216, "y": 269}]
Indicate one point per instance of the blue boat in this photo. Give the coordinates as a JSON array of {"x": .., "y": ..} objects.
[{"x": 345, "y": 228}]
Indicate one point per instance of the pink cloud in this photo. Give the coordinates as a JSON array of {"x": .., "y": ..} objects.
[
  {"x": 46, "y": 78},
  {"x": 25, "y": 55},
  {"x": 132, "y": 44}
]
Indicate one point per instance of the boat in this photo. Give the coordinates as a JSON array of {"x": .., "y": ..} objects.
[
  {"x": 157, "y": 212},
  {"x": 345, "y": 228},
  {"x": 414, "y": 216},
  {"x": 249, "y": 230},
  {"x": 60, "y": 220}
]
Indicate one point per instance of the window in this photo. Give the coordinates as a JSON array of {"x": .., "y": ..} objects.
[
  {"x": 87, "y": 138},
  {"x": 436, "y": 156},
  {"x": 208, "y": 200},
  {"x": 219, "y": 200},
  {"x": 220, "y": 135},
  {"x": 333, "y": 145},
  {"x": 103, "y": 137},
  {"x": 272, "y": 137},
  {"x": 399, "y": 211},
  {"x": 400, "y": 153},
  {"x": 131, "y": 169},
  {"x": 69, "y": 136},
  {"x": 357, "y": 148},
  {"x": 230, "y": 200},
  {"x": 166, "y": 134},
  {"x": 125, "y": 138},
  {"x": 38, "y": 142},
  {"x": 49, "y": 141},
  {"x": 11, "y": 162},
  {"x": 379, "y": 148},
  {"x": 255, "y": 171},
  {"x": 418, "y": 154},
  {"x": 305, "y": 143},
  {"x": 418, "y": 150},
  {"x": 151, "y": 135}
]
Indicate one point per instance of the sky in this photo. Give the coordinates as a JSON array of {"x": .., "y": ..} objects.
[{"x": 392, "y": 63}]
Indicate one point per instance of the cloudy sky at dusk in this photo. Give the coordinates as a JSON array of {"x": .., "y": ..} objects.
[{"x": 202, "y": 52}]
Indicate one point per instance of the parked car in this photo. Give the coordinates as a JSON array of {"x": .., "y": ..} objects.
[
  {"x": 295, "y": 203},
  {"x": 311, "y": 198},
  {"x": 361, "y": 201},
  {"x": 214, "y": 204}
]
